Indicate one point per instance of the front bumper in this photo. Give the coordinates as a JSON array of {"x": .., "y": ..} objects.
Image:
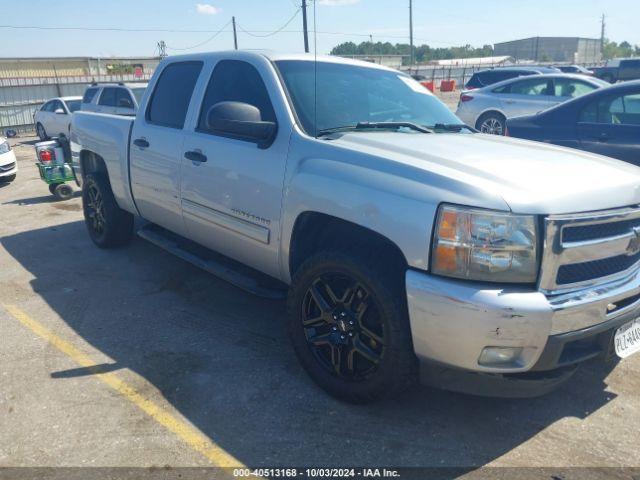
[
  {"x": 453, "y": 321},
  {"x": 8, "y": 164}
]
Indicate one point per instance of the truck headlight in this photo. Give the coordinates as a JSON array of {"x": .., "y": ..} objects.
[
  {"x": 4, "y": 147},
  {"x": 484, "y": 245}
]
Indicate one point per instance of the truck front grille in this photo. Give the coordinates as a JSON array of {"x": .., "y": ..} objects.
[
  {"x": 580, "y": 272},
  {"x": 8, "y": 167},
  {"x": 602, "y": 230},
  {"x": 588, "y": 249}
]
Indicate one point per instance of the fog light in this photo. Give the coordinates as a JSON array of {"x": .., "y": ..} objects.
[{"x": 500, "y": 356}]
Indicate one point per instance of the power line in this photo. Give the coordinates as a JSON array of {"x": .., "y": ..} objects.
[
  {"x": 249, "y": 32},
  {"x": 279, "y": 30},
  {"x": 202, "y": 43}
]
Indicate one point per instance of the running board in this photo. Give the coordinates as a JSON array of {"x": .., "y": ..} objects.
[{"x": 229, "y": 270}]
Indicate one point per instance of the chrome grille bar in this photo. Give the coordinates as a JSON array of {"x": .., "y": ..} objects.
[{"x": 558, "y": 253}]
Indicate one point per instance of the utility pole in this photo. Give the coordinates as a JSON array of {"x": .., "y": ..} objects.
[
  {"x": 304, "y": 26},
  {"x": 411, "y": 31},
  {"x": 235, "y": 35},
  {"x": 162, "y": 49},
  {"x": 602, "y": 32}
]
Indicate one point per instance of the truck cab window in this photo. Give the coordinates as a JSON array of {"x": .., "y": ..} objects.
[
  {"x": 108, "y": 97},
  {"x": 170, "y": 100},
  {"x": 89, "y": 94},
  {"x": 236, "y": 81},
  {"x": 123, "y": 98}
]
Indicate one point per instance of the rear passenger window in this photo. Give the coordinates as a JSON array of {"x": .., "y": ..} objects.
[
  {"x": 236, "y": 81},
  {"x": 533, "y": 87},
  {"x": 89, "y": 93},
  {"x": 108, "y": 97},
  {"x": 170, "y": 100},
  {"x": 123, "y": 99}
]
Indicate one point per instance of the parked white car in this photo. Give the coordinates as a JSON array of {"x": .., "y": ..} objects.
[
  {"x": 54, "y": 117},
  {"x": 8, "y": 164},
  {"x": 488, "y": 108},
  {"x": 113, "y": 98}
]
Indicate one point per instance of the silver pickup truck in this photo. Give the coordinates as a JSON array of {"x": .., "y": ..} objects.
[{"x": 408, "y": 245}]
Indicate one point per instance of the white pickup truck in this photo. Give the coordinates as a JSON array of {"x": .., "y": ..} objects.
[{"x": 408, "y": 245}]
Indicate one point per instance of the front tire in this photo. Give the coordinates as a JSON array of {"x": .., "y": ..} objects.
[
  {"x": 492, "y": 123},
  {"x": 348, "y": 322},
  {"x": 109, "y": 226},
  {"x": 40, "y": 131},
  {"x": 8, "y": 178}
]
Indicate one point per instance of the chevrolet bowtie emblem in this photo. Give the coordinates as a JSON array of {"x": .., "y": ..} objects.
[{"x": 634, "y": 243}]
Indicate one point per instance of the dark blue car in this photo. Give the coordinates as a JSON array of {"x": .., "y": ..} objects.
[{"x": 606, "y": 121}]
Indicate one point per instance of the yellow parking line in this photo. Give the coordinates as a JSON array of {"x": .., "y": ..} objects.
[{"x": 189, "y": 434}]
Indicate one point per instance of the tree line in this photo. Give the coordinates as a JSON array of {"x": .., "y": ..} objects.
[{"x": 425, "y": 53}]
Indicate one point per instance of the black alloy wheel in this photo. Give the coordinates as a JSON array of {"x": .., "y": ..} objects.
[{"x": 343, "y": 328}]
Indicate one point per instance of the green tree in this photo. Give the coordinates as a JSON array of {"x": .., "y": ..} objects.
[
  {"x": 615, "y": 50},
  {"x": 423, "y": 53}
]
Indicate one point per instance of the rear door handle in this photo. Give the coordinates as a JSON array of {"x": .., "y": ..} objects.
[
  {"x": 195, "y": 156},
  {"x": 141, "y": 142},
  {"x": 603, "y": 138}
]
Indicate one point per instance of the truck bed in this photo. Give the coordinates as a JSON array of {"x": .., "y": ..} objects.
[{"x": 108, "y": 136}]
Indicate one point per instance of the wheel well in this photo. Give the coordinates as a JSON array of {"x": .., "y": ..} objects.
[
  {"x": 484, "y": 114},
  {"x": 92, "y": 163},
  {"x": 314, "y": 232}
]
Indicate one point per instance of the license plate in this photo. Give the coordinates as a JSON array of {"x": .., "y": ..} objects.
[{"x": 627, "y": 339}]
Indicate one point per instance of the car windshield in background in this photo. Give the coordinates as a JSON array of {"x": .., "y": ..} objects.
[
  {"x": 138, "y": 92},
  {"x": 73, "y": 105},
  {"x": 347, "y": 95}
]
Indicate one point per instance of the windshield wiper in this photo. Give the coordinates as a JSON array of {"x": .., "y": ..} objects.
[
  {"x": 373, "y": 126},
  {"x": 390, "y": 125},
  {"x": 451, "y": 127}
]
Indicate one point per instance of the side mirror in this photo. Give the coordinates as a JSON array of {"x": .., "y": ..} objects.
[
  {"x": 59, "y": 111},
  {"x": 241, "y": 121},
  {"x": 125, "y": 102}
]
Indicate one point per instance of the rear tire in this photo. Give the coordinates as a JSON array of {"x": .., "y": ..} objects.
[
  {"x": 360, "y": 350},
  {"x": 492, "y": 123},
  {"x": 109, "y": 226}
]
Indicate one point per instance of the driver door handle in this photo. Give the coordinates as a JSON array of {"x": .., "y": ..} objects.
[
  {"x": 195, "y": 156},
  {"x": 141, "y": 142}
]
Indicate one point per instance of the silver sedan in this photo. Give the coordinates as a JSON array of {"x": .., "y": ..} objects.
[{"x": 488, "y": 108}]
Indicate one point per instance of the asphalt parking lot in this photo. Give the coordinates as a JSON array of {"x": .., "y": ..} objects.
[{"x": 132, "y": 357}]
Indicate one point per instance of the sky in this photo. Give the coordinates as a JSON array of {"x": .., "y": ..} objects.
[{"x": 436, "y": 23}]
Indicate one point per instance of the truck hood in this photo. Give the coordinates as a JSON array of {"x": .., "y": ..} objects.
[{"x": 530, "y": 177}]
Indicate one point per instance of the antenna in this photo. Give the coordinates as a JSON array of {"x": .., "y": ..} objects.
[{"x": 315, "y": 73}]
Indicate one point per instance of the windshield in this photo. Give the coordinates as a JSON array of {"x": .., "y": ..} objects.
[
  {"x": 138, "y": 92},
  {"x": 73, "y": 105},
  {"x": 348, "y": 95}
]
